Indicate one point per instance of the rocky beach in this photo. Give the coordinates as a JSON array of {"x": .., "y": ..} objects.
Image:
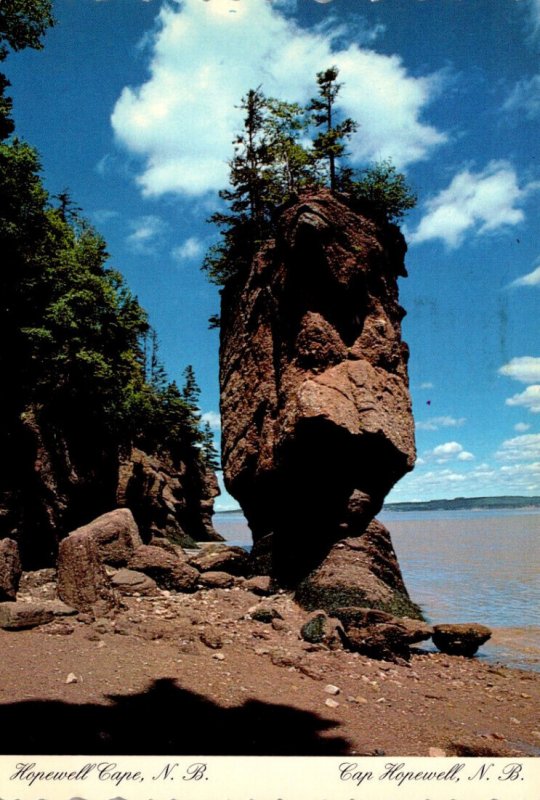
[{"x": 227, "y": 671}]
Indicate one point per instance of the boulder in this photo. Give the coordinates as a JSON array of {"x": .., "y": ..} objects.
[
  {"x": 384, "y": 640},
  {"x": 131, "y": 582},
  {"x": 10, "y": 569},
  {"x": 18, "y": 616},
  {"x": 259, "y": 584},
  {"x": 316, "y": 413},
  {"x": 460, "y": 639},
  {"x": 322, "y": 629},
  {"x": 116, "y": 535},
  {"x": 82, "y": 580},
  {"x": 168, "y": 571},
  {"x": 216, "y": 580},
  {"x": 221, "y": 558},
  {"x": 378, "y": 634},
  {"x": 359, "y": 571}
]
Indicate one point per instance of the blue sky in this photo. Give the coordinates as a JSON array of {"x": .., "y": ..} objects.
[{"x": 132, "y": 107}]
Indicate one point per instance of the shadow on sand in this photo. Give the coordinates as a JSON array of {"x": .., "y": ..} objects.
[{"x": 164, "y": 720}]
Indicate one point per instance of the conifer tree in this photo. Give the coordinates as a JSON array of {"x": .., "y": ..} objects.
[{"x": 329, "y": 144}]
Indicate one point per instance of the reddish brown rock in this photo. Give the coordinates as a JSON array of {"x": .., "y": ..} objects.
[
  {"x": 131, "y": 582},
  {"x": 317, "y": 423},
  {"x": 82, "y": 580},
  {"x": 116, "y": 535},
  {"x": 220, "y": 558},
  {"x": 216, "y": 580},
  {"x": 10, "y": 569},
  {"x": 360, "y": 571},
  {"x": 460, "y": 639},
  {"x": 168, "y": 498},
  {"x": 168, "y": 571},
  {"x": 18, "y": 616}
]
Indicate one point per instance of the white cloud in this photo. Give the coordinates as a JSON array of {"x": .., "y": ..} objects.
[
  {"x": 525, "y": 369},
  {"x": 525, "y": 97},
  {"x": 448, "y": 449},
  {"x": 531, "y": 279},
  {"x": 480, "y": 202},
  {"x": 521, "y": 427},
  {"x": 204, "y": 59},
  {"x": 213, "y": 419},
  {"x": 465, "y": 456},
  {"x": 535, "y": 13},
  {"x": 439, "y": 422},
  {"x": 146, "y": 234},
  {"x": 187, "y": 251},
  {"x": 520, "y": 448},
  {"x": 530, "y": 399},
  {"x": 426, "y": 385}
]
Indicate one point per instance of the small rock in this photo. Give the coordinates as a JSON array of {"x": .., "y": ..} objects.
[
  {"x": 72, "y": 678},
  {"x": 331, "y": 703},
  {"x": 358, "y": 699},
  {"x": 219, "y": 656},
  {"x": 131, "y": 582},
  {"x": 264, "y": 614},
  {"x": 216, "y": 580},
  {"x": 436, "y": 752},
  {"x": 322, "y": 629},
  {"x": 211, "y": 638},
  {"x": 260, "y": 584},
  {"x": 19, "y": 615},
  {"x": 58, "y": 629},
  {"x": 331, "y": 689}
]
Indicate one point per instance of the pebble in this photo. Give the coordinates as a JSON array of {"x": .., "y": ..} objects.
[
  {"x": 358, "y": 699},
  {"x": 331, "y": 703},
  {"x": 71, "y": 678},
  {"x": 331, "y": 689},
  {"x": 436, "y": 752},
  {"x": 219, "y": 656}
]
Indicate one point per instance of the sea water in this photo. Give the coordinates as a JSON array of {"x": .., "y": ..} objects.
[{"x": 464, "y": 566}]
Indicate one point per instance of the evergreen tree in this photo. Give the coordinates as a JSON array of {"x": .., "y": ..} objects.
[
  {"x": 292, "y": 167},
  {"x": 329, "y": 144},
  {"x": 209, "y": 450},
  {"x": 385, "y": 190}
]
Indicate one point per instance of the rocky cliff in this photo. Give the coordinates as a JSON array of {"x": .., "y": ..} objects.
[
  {"x": 56, "y": 476},
  {"x": 317, "y": 423}
]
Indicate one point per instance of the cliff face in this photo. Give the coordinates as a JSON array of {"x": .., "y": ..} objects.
[
  {"x": 55, "y": 477},
  {"x": 317, "y": 423}
]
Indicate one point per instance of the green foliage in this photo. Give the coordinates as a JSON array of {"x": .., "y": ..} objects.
[
  {"x": 385, "y": 190},
  {"x": 74, "y": 341},
  {"x": 23, "y": 23},
  {"x": 274, "y": 162},
  {"x": 329, "y": 144}
]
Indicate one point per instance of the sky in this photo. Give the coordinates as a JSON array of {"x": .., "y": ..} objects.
[{"x": 132, "y": 105}]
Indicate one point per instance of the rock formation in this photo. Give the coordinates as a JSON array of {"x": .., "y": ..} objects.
[
  {"x": 55, "y": 478},
  {"x": 317, "y": 423}
]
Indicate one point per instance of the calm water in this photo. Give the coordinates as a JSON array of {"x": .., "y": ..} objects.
[{"x": 464, "y": 566}]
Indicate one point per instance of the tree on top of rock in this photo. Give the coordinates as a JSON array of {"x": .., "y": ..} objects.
[
  {"x": 329, "y": 144},
  {"x": 274, "y": 163}
]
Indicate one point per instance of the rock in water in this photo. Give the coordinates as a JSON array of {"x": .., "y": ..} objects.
[
  {"x": 460, "y": 639},
  {"x": 317, "y": 422}
]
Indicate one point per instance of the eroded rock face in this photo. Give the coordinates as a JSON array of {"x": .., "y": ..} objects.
[{"x": 317, "y": 423}]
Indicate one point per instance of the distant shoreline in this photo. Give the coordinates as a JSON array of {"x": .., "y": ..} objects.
[{"x": 516, "y": 502}]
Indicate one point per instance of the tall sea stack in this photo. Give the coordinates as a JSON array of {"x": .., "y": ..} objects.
[{"x": 317, "y": 422}]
